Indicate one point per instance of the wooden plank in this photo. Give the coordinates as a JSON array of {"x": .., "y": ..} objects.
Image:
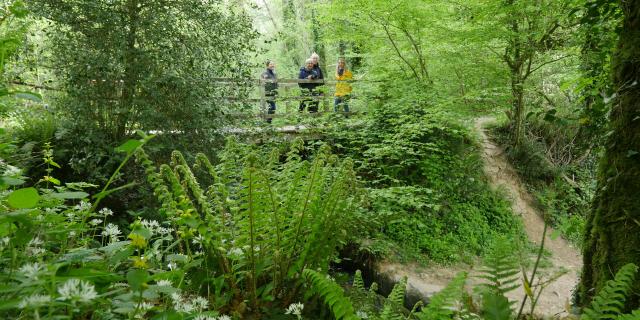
[{"x": 285, "y": 115}]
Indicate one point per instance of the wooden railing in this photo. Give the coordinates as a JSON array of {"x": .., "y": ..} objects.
[{"x": 289, "y": 95}]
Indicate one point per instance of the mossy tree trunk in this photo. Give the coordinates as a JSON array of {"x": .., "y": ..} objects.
[{"x": 613, "y": 226}]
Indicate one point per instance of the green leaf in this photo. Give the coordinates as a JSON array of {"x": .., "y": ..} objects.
[
  {"x": 129, "y": 146},
  {"x": 167, "y": 315},
  {"x": 70, "y": 195},
  {"x": 28, "y": 96},
  {"x": 52, "y": 180},
  {"x": 631, "y": 153},
  {"x": 11, "y": 181},
  {"x": 24, "y": 198},
  {"x": 137, "y": 278}
]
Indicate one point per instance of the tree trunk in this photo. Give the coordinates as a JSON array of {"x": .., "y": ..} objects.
[
  {"x": 130, "y": 72},
  {"x": 612, "y": 236},
  {"x": 517, "y": 91}
]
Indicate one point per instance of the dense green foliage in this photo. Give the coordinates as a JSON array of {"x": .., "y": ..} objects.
[
  {"x": 240, "y": 240},
  {"x": 126, "y": 65},
  {"x": 252, "y": 228},
  {"x": 425, "y": 180}
]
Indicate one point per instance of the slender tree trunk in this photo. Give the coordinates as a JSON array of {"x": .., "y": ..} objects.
[
  {"x": 613, "y": 227},
  {"x": 130, "y": 72},
  {"x": 517, "y": 92}
]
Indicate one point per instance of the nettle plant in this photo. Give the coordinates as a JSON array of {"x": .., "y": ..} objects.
[{"x": 232, "y": 245}]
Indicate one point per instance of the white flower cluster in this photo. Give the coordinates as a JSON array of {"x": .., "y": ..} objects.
[
  {"x": 32, "y": 270},
  {"x": 105, "y": 212},
  {"x": 4, "y": 242},
  {"x": 182, "y": 304},
  {"x": 203, "y": 317},
  {"x": 155, "y": 227},
  {"x": 12, "y": 171},
  {"x": 95, "y": 222},
  {"x": 164, "y": 283},
  {"x": 112, "y": 231},
  {"x": 235, "y": 253},
  {"x": 362, "y": 314},
  {"x": 34, "y": 301},
  {"x": 83, "y": 206},
  {"x": 295, "y": 309},
  {"x": 33, "y": 248},
  {"x": 77, "y": 290}
]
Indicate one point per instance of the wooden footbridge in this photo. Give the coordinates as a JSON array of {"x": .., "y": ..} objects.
[{"x": 288, "y": 98}]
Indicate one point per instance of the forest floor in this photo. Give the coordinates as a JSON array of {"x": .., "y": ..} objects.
[{"x": 556, "y": 297}]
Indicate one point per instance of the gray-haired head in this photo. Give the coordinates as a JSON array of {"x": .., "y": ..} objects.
[{"x": 308, "y": 61}]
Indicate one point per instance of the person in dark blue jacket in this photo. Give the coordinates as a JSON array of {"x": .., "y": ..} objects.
[
  {"x": 270, "y": 87},
  {"x": 308, "y": 89},
  {"x": 316, "y": 66}
]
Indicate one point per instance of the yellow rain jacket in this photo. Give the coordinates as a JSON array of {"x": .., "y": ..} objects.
[{"x": 343, "y": 88}]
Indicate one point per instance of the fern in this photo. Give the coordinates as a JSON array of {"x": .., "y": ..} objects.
[
  {"x": 635, "y": 315},
  {"x": 610, "y": 299},
  {"x": 501, "y": 267},
  {"x": 442, "y": 305},
  {"x": 332, "y": 294},
  {"x": 495, "y": 306},
  {"x": 358, "y": 283},
  {"x": 259, "y": 223},
  {"x": 393, "y": 306}
]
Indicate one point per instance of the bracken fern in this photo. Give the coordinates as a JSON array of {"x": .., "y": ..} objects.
[
  {"x": 609, "y": 301},
  {"x": 443, "y": 304}
]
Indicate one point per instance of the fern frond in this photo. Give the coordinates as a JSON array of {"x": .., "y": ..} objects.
[
  {"x": 358, "y": 283},
  {"x": 442, "y": 304},
  {"x": 332, "y": 294},
  {"x": 393, "y": 306},
  {"x": 501, "y": 267},
  {"x": 610, "y": 299},
  {"x": 635, "y": 315}
]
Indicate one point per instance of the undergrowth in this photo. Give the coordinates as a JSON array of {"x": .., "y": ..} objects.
[
  {"x": 425, "y": 180},
  {"x": 563, "y": 182}
]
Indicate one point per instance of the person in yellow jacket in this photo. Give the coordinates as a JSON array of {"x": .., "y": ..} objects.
[{"x": 343, "y": 87}]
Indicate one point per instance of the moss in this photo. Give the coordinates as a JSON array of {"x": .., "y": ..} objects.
[{"x": 611, "y": 238}]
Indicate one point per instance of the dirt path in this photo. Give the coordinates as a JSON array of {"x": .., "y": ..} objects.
[{"x": 555, "y": 298}]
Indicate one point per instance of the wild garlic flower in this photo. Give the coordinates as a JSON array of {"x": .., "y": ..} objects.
[
  {"x": 83, "y": 206},
  {"x": 235, "y": 253},
  {"x": 146, "y": 306},
  {"x": 32, "y": 270},
  {"x": 224, "y": 317},
  {"x": 77, "y": 290},
  {"x": 200, "y": 303},
  {"x": 198, "y": 239},
  {"x": 164, "y": 231},
  {"x": 181, "y": 304},
  {"x": 95, "y": 222},
  {"x": 33, "y": 248},
  {"x": 164, "y": 283},
  {"x": 203, "y": 317},
  {"x": 112, "y": 231},
  {"x": 12, "y": 171},
  {"x": 34, "y": 301},
  {"x": 4, "y": 242},
  {"x": 362, "y": 314},
  {"x": 172, "y": 266},
  {"x": 105, "y": 212},
  {"x": 295, "y": 309}
]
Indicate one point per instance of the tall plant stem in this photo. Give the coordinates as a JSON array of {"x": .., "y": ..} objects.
[{"x": 535, "y": 269}]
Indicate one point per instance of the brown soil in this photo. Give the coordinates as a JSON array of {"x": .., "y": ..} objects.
[{"x": 554, "y": 300}]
